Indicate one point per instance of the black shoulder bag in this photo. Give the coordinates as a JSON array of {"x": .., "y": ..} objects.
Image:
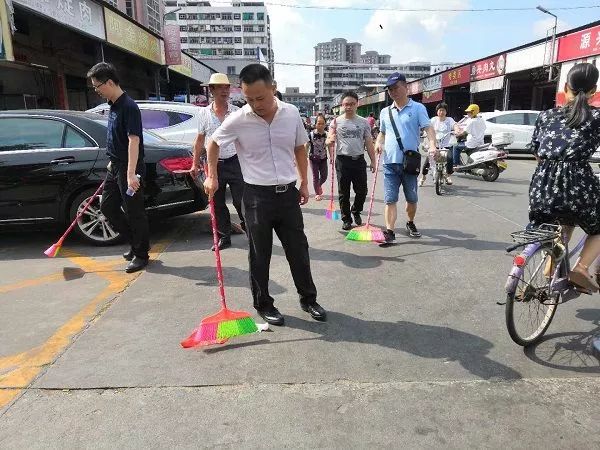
[{"x": 412, "y": 158}]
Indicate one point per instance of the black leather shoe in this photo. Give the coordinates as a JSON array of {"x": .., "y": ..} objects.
[
  {"x": 272, "y": 316},
  {"x": 316, "y": 311},
  {"x": 128, "y": 255},
  {"x": 224, "y": 242},
  {"x": 347, "y": 226},
  {"x": 357, "y": 219},
  {"x": 136, "y": 264}
]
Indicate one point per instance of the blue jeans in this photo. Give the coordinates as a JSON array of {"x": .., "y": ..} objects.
[
  {"x": 393, "y": 178},
  {"x": 456, "y": 151}
]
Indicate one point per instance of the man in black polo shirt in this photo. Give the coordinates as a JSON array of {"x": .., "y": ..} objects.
[{"x": 125, "y": 148}]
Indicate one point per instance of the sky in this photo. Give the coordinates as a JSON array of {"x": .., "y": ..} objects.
[{"x": 411, "y": 36}]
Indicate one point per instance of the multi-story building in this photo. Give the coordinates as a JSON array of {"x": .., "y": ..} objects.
[
  {"x": 304, "y": 101},
  {"x": 226, "y": 37},
  {"x": 442, "y": 67},
  {"x": 147, "y": 12},
  {"x": 340, "y": 66}
]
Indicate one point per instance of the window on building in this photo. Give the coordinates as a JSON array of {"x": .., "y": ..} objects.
[
  {"x": 183, "y": 40},
  {"x": 261, "y": 28},
  {"x": 237, "y": 16},
  {"x": 248, "y": 16},
  {"x": 249, "y": 52},
  {"x": 239, "y": 51},
  {"x": 183, "y": 28},
  {"x": 237, "y": 28},
  {"x": 231, "y": 70},
  {"x": 207, "y": 51},
  {"x": 182, "y": 16},
  {"x": 248, "y": 28},
  {"x": 226, "y": 16},
  {"x": 260, "y": 16},
  {"x": 238, "y": 40}
]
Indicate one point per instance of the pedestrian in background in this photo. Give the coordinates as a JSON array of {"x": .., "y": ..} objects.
[
  {"x": 270, "y": 139},
  {"x": 351, "y": 134},
  {"x": 230, "y": 173},
  {"x": 317, "y": 155},
  {"x": 409, "y": 119},
  {"x": 125, "y": 149}
]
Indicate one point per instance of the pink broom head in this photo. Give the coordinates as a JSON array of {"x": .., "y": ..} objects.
[
  {"x": 53, "y": 250},
  {"x": 218, "y": 328},
  {"x": 332, "y": 214},
  {"x": 366, "y": 233}
]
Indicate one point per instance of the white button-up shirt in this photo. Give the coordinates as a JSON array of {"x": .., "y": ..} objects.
[
  {"x": 208, "y": 122},
  {"x": 265, "y": 151}
]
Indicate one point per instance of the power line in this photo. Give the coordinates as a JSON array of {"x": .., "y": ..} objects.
[
  {"x": 439, "y": 10},
  {"x": 340, "y": 64}
]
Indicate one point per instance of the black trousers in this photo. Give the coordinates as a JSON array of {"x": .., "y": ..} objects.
[
  {"x": 351, "y": 172},
  {"x": 229, "y": 173},
  {"x": 126, "y": 213},
  {"x": 265, "y": 211}
]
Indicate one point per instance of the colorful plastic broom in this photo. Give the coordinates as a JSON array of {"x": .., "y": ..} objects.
[
  {"x": 331, "y": 213},
  {"x": 218, "y": 328},
  {"x": 53, "y": 250},
  {"x": 368, "y": 232}
]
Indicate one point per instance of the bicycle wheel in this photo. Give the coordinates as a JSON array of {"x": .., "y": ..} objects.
[
  {"x": 437, "y": 178},
  {"x": 530, "y": 309}
]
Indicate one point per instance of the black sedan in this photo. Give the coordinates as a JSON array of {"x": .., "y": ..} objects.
[{"x": 51, "y": 162}]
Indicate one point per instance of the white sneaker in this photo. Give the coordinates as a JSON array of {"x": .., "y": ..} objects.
[
  {"x": 448, "y": 181},
  {"x": 422, "y": 181}
]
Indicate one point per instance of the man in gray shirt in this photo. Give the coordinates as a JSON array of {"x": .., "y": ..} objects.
[{"x": 351, "y": 134}]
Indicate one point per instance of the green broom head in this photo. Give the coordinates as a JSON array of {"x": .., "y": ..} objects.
[{"x": 366, "y": 233}]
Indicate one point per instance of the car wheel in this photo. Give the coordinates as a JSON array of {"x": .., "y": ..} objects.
[{"x": 92, "y": 226}]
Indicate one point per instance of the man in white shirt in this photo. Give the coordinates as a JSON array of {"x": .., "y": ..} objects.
[
  {"x": 474, "y": 128},
  {"x": 229, "y": 169},
  {"x": 269, "y": 137}
]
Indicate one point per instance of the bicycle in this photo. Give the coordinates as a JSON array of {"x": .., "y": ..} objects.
[{"x": 538, "y": 281}]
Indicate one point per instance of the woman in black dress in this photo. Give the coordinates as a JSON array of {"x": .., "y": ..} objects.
[{"x": 564, "y": 187}]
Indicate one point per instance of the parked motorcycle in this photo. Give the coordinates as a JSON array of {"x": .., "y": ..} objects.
[{"x": 487, "y": 161}]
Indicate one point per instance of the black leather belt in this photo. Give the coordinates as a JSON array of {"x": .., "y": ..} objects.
[
  {"x": 277, "y": 188},
  {"x": 231, "y": 158},
  {"x": 353, "y": 158}
]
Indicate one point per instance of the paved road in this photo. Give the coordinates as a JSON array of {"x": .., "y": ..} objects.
[{"x": 415, "y": 353}]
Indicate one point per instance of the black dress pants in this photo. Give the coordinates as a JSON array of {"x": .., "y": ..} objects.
[
  {"x": 229, "y": 173},
  {"x": 126, "y": 213},
  {"x": 266, "y": 211},
  {"x": 351, "y": 172}
]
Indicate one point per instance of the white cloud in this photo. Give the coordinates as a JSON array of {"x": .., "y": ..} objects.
[
  {"x": 412, "y": 35},
  {"x": 543, "y": 27}
]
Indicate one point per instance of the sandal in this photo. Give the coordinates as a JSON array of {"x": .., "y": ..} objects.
[{"x": 583, "y": 279}]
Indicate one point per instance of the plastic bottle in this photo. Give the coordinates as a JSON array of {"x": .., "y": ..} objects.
[{"x": 130, "y": 190}]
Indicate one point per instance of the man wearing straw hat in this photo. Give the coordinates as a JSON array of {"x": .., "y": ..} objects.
[
  {"x": 229, "y": 169},
  {"x": 269, "y": 137}
]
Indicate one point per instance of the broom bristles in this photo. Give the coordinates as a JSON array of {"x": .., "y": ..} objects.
[
  {"x": 366, "y": 233},
  {"x": 218, "y": 328},
  {"x": 52, "y": 251}
]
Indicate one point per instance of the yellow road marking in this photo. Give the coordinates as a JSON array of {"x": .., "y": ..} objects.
[
  {"x": 31, "y": 282},
  {"x": 19, "y": 371}
]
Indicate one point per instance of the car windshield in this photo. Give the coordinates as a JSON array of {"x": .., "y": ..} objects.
[{"x": 149, "y": 136}]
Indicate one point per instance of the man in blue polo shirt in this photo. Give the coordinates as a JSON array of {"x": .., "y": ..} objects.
[
  {"x": 123, "y": 196},
  {"x": 410, "y": 118}
]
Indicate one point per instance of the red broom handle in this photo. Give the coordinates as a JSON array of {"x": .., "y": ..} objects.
[
  {"x": 85, "y": 208},
  {"x": 213, "y": 224},
  {"x": 373, "y": 191}
]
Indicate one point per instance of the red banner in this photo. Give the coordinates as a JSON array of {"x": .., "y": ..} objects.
[
  {"x": 433, "y": 96},
  {"x": 579, "y": 45},
  {"x": 488, "y": 68},
  {"x": 172, "y": 45},
  {"x": 454, "y": 77}
]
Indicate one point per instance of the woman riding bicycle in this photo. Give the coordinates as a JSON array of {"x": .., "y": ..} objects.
[
  {"x": 443, "y": 125},
  {"x": 564, "y": 188}
]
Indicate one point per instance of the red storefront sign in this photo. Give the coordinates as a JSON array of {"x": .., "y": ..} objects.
[
  {"x": 415, "y": 87},
  {"x": 433, "y": 96},
  {"x": 488, "y": 68},
  {"x": 579, "y": 45},
  {"x": 172, "y": 44},
  {"x": 454, "y": 77}
]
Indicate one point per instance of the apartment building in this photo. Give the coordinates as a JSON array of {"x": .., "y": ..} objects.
[
  {"x": 226, "y": 37},
  {"x": 146, "y": 12}
]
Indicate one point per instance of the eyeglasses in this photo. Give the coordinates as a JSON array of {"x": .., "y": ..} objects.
[{"x": 98, "y": 85}]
